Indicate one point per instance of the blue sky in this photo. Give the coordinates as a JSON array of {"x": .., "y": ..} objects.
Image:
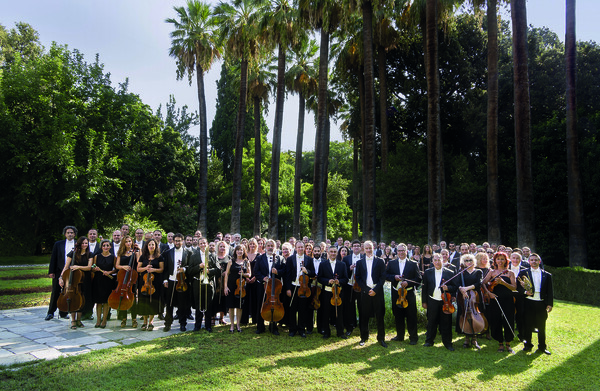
[{"x": 133, "y": 41}]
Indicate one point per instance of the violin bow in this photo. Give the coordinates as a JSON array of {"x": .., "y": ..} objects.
[{"x": 504, "y": 315}]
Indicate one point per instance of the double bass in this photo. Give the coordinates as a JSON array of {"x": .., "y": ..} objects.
[
  {"x": 272, "y": 308},
  {"x": 122, "y": 298},
  {"x": 471, "y": 321},
  {"x": 71, "y": 299}
]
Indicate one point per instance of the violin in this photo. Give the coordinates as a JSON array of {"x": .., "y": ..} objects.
[
  {"x": 240, "y": 289},
  {"x": 181, "y": 285},
  {"x": 447, "y": 307},
  {"x": 71, "y": 299},
  {"x": 122, "y": 298},
  {"x": 494, "y": 281},
  {"x": 402, "y": 292},
  {"x": 304, "y": 290},
  {"x": 148, "y": 288},
  {"x": 272, "y": 308},
  {"x": 472, "y": 321},
  {"x": 336, "y": 300},
  {"x": 316, "y": 294}
]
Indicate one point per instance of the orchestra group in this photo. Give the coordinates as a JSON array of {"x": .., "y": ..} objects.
[{"x": 487, "y": 291}]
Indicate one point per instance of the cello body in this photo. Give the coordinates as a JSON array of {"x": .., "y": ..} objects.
[
  {"x": 71, "y": 299},
  {"x": 122, "y": 298},
  {"x": 472, "y": 321},
  {"x": 272, "y": 308}
]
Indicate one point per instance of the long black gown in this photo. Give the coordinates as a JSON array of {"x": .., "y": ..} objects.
[
  {"x": 102, "y": 286},
  {"x": 149, "y": 304}
]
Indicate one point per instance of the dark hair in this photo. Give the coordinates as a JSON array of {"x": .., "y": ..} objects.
[
  {"x": 339, "y": 256},
  {"x": 69, "y": 227},
  {"x": 77, "y": 251},
  {"x": 240, "y": 246},
  {"x": 355, "y": 241},
  {"x": 178, "y": 235},
  {"x": 146, "y": 252}
]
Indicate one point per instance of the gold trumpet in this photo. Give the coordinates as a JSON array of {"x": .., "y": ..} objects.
[{"x": 526, "y": 283}]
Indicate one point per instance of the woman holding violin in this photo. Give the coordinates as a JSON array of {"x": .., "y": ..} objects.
[
  {"x": 127, "y": 260},
  {"x": 150, "y": 269},
  {"x": 251, "y": 284},
  {"x": 219, "y": 300},
  {"x": 470, "y": 320},
  {"x": 238, "y": 270},
  {"x": 499, "y": 285},
  {"x": 78, "y": 261},
  {"x": 103, "y": 282}
]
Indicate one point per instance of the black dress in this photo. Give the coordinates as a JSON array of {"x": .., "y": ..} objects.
[
  {"x": 219, "y": 300},
  {"x": 502, "y": 328},
  {"x": 102, "y": 286},
  {"x": 233, "y": 301},
  {"x": 86, "y": 283},
  {"x": 467, "y": 279},
  {"x": 149, "y": 304}
]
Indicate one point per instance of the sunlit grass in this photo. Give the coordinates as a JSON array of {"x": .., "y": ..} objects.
[{"x": 248, "y": 361}]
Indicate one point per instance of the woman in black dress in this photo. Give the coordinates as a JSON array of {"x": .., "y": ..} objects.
[
  {"x": 219, "y": 300},
  {"x": 238, "y": 268},
  {"x": 387, "y": 255},
  {"x": 150, "y": 263},
  {"x": 122, "y": 262},
  {"x": 499, "y": 285},
  {"x": 469, "y": 280},
  {"x": 79, "y": 259},
  {"x": 103, "y": 282},
  {"x": 427, "y": 257}
]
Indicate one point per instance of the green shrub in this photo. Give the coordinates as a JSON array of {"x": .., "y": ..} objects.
[{"x": 576, "y": 284}]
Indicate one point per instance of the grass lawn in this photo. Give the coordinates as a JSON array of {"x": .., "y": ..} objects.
[
  {"x": 25, "y": 260},
  {"x": 24, "y": 287},
  {"x": 255, "y": 362}
]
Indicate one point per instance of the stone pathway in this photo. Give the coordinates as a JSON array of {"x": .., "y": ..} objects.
[{"x": 26, "y": 336}]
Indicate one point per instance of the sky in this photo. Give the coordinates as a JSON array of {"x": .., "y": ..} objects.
[{"x": 133, "y": 42}]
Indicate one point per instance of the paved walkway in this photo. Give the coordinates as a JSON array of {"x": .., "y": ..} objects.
[{"x": 26, "y": 336}]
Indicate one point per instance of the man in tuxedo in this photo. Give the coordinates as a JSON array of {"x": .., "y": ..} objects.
[
  {"x": 268, "y": 265},
  {"x": 57, "y": 263},
  {"x": 332, "y": 274},
  {"x": 139, "y": 238},
  {"x": 125, "y": 230},
  {"x": 405, "y": 273},
  {"x": 94, "y": 246},
  {"x": 201, "y": 272},
  {"x": 538, "y": 303},
  {"x": 446, "y": 261},
  {"x": 116, "y": 242},
  {"x": 170, "y": 239},
  {"x": 517, "y": 265},
  {"x": 164, "y": 247},
  {"x": 431, "y": 299},
  {"x": 295, "y": 266},
  {"x": 349, "y": 297},
  {"x": 370, "y": 275},
  {"x": 175, "y": 259}
]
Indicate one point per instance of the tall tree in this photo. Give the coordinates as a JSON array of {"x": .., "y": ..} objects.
[
  {"x": 301, "y": 79},
  {"x": 278, "y": 26},
  {"x": 238, "y": 32},
  {"x": 194, "y": 46},
  {"x": 577, "y": 241},
  {"x": 525, "y": 206}
]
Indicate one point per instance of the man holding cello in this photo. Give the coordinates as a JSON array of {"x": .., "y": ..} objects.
[{"x": 268, "y": 265}]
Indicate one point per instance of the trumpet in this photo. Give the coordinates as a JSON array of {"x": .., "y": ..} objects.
[{"x": 526, "y": 283}]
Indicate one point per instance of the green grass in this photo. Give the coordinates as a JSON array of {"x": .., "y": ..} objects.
[
  {"x": 24, "y": 287},
  {"x": 25, "y": 260},
  {"x": 15, "y": 272},
  {"x": 246, "y": 361},
  {"x": 35, "y": 299}
]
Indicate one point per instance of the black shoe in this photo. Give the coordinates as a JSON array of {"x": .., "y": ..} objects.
[
  {"x": 309, "y": 332},
  {"x": 427, "y": 344},
  {"x": 176, "y": 317},
  {"x": 527, "y": 348},
  {"x": 545, "y": 351},
  {"x": 325, "y": 336},
  {"x": 167, "y": 327},
  {"x": 64, "y": 316},
  {"x": 348, "y": 333},
  {"x": 259, "y": 331},
  {"x": 209, "y": 329},
  {"x": 412, "y": 343},
  {"x": 398, "y": 339},
  {"x": 182, "y": 328},
  {"x": 342, "y": 336},
  {"x": 292, "y": 333},
  {"x": 382, "y": 343},
  {"x": 275, "y": 332},
  {"x": 303, "y": 335},
  {"x": 190, "y": 317},
  {"x": 196, "y": 329},
  {"x": 450, "y": 348},
  {"x": 362, "y": 342},
  {"x": 49, "y": 316}
]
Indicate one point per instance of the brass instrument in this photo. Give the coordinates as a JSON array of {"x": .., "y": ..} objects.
[
  {"x": 204, "y": 281},
  {"x": 526, "y": 283}
]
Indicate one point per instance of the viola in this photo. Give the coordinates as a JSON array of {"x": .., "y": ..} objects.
[
  {"x": 122, "y": 298},
  {"x": 181, "y": 285},
  {"x": 148, "y": 288},
  {"x": 71, "y": 299},
  {"x": 472, "y": 321},
  {"x": 495, "y": 281},
  {"x": 447, "y": 307},
  {"x": 240, "y": 289},
  {"x": 272, "y": 308},
  {"x": 336, "y": 300},
  {"x": 304, "y": 280},
  {"x": 316, "y": 294},
  {"x": 402, "y": 292}
]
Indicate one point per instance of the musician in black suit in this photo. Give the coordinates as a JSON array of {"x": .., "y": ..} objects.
[
  {"x": 431, "y": 298},
  {"x": 139, "y": 238},
  {"x": 164, "y": 247},
  {"x": 446, "y": 261},
  {"x": 370, "y": 275},
  {"x": 518, "y": 265},
  {"x": 267, "y": 265},
  {"x": 350, "y": 299},
  {"x": 115, "y": 245},
  {"x": 328, "y": 272},
  {"x": 402, "y": 271},
  {"x": 87, "y": 312},
  {"x": 295, "y": 266},
  {"x": 175, "y": 259},
  {"x": 57, "y": 263},
  {"x": 201, "y": 271},
  {"x": 538, "y": 303}
]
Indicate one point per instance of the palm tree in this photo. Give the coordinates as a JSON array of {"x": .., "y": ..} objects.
[
  {"x": 238, "y": 32},
  {"x": 260, "y": 84},
  {"x": 301, "y": 79},
  {"x": 525, "y": 206},
  {"x": 577, "y": 242},
  {"x": 278, "y": 26},
  {"x": 193, "y": 45}
]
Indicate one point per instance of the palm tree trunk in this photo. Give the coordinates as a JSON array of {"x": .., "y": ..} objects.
[
  {"x": 383, "y": 109},
  {"x": 369, "y": 160},
  {"x": 434, "y": 136},
  {"x": 298, "y": 166},
  {"x": 355, "y": 192},
  {"x": 236, "y": 190},
  {"x": 492, "y": 126},
  {"x": 525, "y": 207},
  {"x": 577, "y": 241},
  {"x": 361, "y": 100},
  {"x": 203, "y": 178},
  {"x": 319, "y": 210},
  {"x": 276, "y": 156},
  {"x": 257, "y": 167}
]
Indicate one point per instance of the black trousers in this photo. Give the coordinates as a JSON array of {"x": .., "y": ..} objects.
[
  {"x": 535, "y": 317},
  {"x": 437, "y": 319},
  {"x": 372, "y": 305},
  {"x": 298, "y": 312},
  {"x": 181, "y": 300},
  {"x": 350, "y": 299},
  {"x": 405, "y": 316},
  {"x": 330, "y": 311},
  {"x": 56, "y": 289},
  {"x": 260, "y": 322},
  {"x": 202, "y": 303}
]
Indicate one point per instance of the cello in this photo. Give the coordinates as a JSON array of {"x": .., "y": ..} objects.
[
  {"x": 122, "y": 298},
  {"x": 71, "y": 299},
  {"x": 272, "y": 308},
  {"x": 472, "y": 321}
]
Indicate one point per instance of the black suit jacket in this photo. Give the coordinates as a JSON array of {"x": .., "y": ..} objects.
[
  {"x": 348, "y": 262},
  {"x": 291, "y": 268},
  {"x": 377, "y": 274},
  {"x": 547, "y": 289},
  {"x": 262, "y": 267},
  {"x": 169, "y": 258},
  {"x": 57, "y": 259},
  {"x": 455, "y": 260},
  {"x": 429, "y": 282},
  {"x": 411, "y": 272},
  {"x": 326, "y": 273}
]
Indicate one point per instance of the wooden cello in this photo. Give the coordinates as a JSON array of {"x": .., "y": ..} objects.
[
  {"x": 71, "y": 299},
  {"x": 272, "y": 308},
  {"x": 472, "y": 321},
  {"x": 122, "y": 298}
]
